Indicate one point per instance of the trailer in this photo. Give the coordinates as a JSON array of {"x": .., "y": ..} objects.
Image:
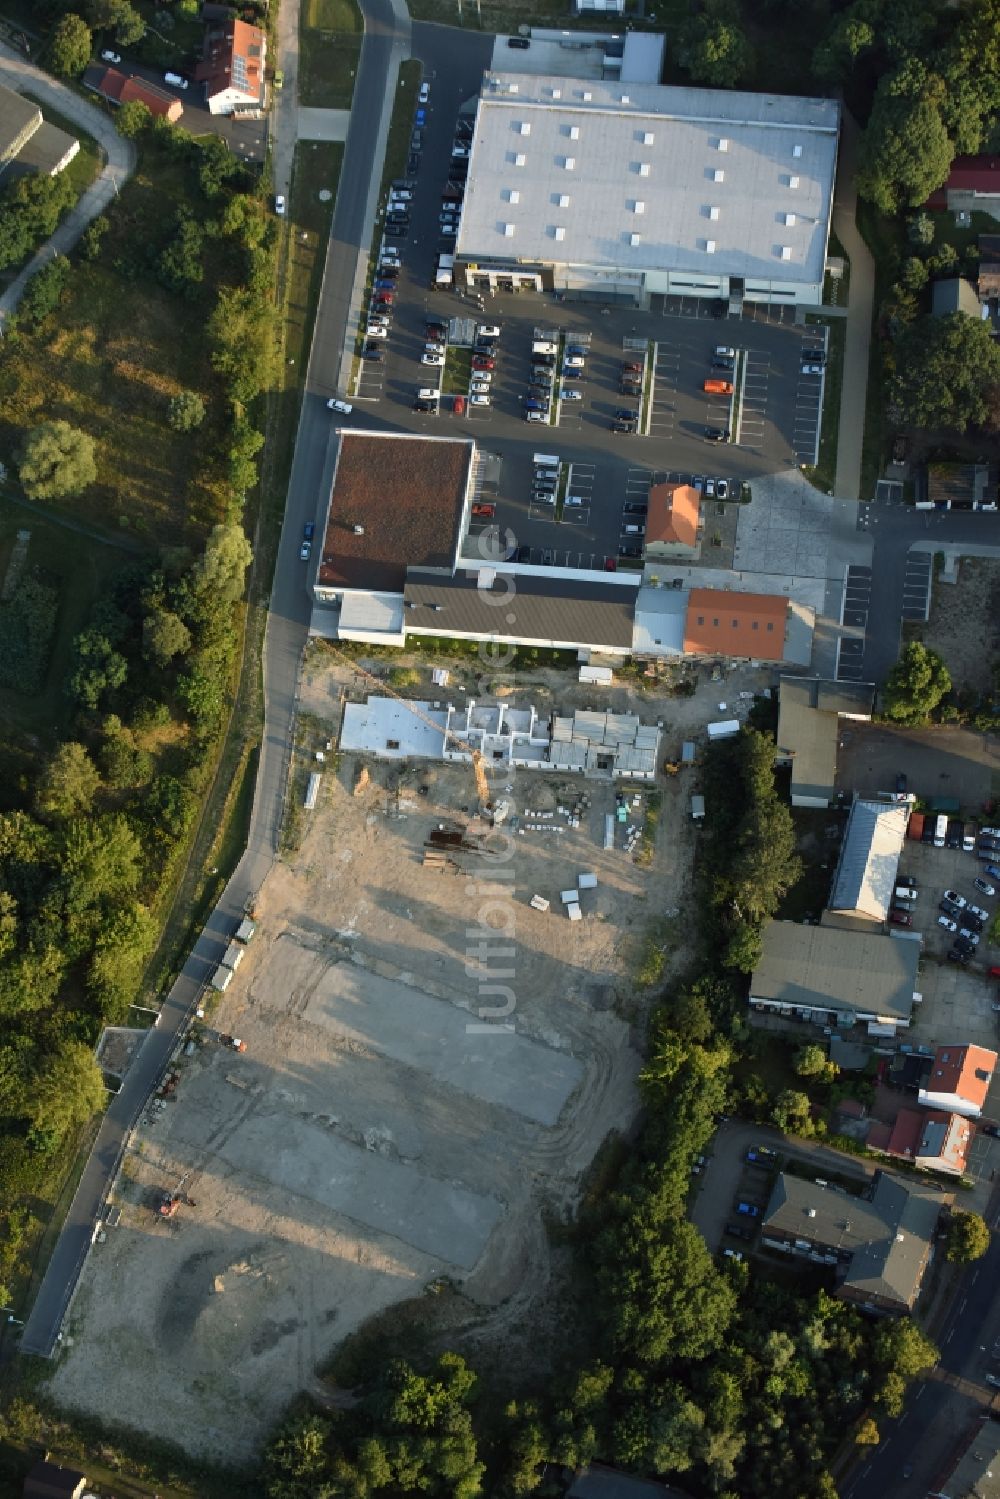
[
  {"x": 221, "y": 978},
  {"x": 724, "y": 729},
  {"x": 245, "y": 931},
  {"x": 235, "y": 953},
  {"x": 698, "y": 809},
  {"x": 915, "y": 826},
  {"x": 444, "y": 275}
]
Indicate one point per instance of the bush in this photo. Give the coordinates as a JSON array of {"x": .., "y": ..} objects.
[
  {"x": 43, "y": 292},
  {"x": 27, "y": 625}
]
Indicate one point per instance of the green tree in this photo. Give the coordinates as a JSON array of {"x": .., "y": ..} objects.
[
  {"x": 98, "y": 668},
  {"x": 186, "y": 411},
  {"x": 221, "y": 571},
  {"x": 57, "y": 460},
  {"x": 713, "y": 47},
  {"x": 70, "y": 46},
  {"x": 133, "y": 119},
  {"x": 67, "y": 783},
  {"x": 849, "y": 38},
  {"x": 947, "y": 373},
  {"x": 44, "y": 291},
  {"x": 791, "y": 1112},
  {"x": 916, "y": 685},
  {"x": 968, "y": 1238},
  {"x": 119, "y": 15},
  {"x": 180, "y": 266},
  {"x": 67, "y": 1091},
  {"x": 123, "y": 763},
  {"x": 30, "y": 208},
  {"x": 93, "y": 236},
  {"x": 905, "y": 151},
  {"x": 867, "y": 1434},
  {"x": 164, "y": 636},
  {"x": 115, "y": 972},
  {"x": 811, "y": 1061},
  {"x": 920, "y": 230}
]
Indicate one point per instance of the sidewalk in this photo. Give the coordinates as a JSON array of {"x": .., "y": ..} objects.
[
  {"x": 854, "y": 390},
  {"x": 120, "y": 157}
]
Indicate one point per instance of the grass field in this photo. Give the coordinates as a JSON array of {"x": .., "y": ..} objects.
[
  {"x": 110, "y": 366},
  {"x": 330, "y": 37}
]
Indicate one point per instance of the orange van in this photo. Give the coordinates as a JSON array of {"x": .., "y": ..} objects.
[{"x": 719, "y": 387}]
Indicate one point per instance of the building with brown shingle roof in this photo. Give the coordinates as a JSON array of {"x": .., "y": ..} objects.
[
  {"x": 750, "y": 626},
  {"x": 673, "y": 522}
]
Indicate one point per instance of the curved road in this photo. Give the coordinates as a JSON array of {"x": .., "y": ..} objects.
[{"x": 385, "y": 45}]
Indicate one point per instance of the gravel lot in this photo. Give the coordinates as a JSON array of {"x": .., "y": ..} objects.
[{"x": 377, "y": 1137}]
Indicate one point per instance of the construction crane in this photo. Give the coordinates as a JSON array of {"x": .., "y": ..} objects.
[{"x": 478, "y": 763}]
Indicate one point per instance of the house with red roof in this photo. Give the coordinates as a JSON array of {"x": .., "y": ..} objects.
[
  {"x": 959, "y": 1080},
  {"x": 972, "y": 185},
  {"x": 931, "y": 1139},
  {"x": 232, "y": 67},
  {"x": 122, "y": 88}
]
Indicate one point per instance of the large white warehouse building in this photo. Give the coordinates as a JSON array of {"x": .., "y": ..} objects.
[{"x": 633, "y": 190}]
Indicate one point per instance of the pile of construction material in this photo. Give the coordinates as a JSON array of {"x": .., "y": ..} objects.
[
  {"x": 571, "y": 898},
  {"x": 545, "y": 822}
]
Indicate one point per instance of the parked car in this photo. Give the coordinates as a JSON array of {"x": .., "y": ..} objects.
[
  {"x": 458, "y": 406},
  {"x": 813, "y": 356},
  {"x": 479, "y": 400},
  {"x": 434, "y": 360},
  {"x": 954, "y": 956},
  {"x": 488, "y": 330},
  {"x": 900, "y": 918},
  {"x": 483, "y": 362},
  {"x": 111, "y": 57},
  {"x": 627, "y": 427},
  {"x": 569, "y": 395},
  {"x": 716, "y": 434},
  {"x": 811, "y": 369},
  {"x": 279, "y": 205},
  {"x": 175, "y": 80},
  {"x": 344, "y": 407},
  {"x": 483, "y": 511},
  {"x": 733, "y": 1254},
  {"x": 947, "y": 923},
  {"x": 308, "y": 532},
  {"x": 760, "y": 1154},
  {"x": 479, "y": 388},
  {"x": 956, "y": 899},
  {"x": 434, "y": 348},
  {"x": 721, "y": 489},
  {"x": 574, "y": 361},
  {"x": 739, "y": 1231},
  {"x": 993, "y": 1130},
  {"x": 977, "y": 912},
  {"x": 953, "y": 837},
  {"x": 968, "y": 935},
  {"x": 372, "y": 352},
  {"x": 520, "y": 42},
  {"x": 748, "y": 1209},
  {"x": 425, "y": 404},
  {"x": 375, "y": 330},
  {"x": 425, "y": 93}
]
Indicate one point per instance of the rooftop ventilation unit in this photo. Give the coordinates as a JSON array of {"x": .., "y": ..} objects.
[
  {"x": 520, "y": 159},
  {"x": 574, "y": 132},
  {"x": 638, "y": 206},
  {"x": 710, "y": 247},
  {"x": 564, "y": 200},
  {"x": 513, "y": 196},
  {"x": 644, "y": 169},
  {"x": 626, "y": 99},
  {"x": 713, "y": 212},
  {"x": 569, "y": 162},
  {"x": 648, "y": 137},
  {"x": 508, "y": 230},
  {"x": 810, "y": 1212},
  {"x": 557, "y": 93},
  {"x": 786, "y": 252},
  {"x": 512, "y": 88},
  {"x": 793, "y": 182},
  {"x": 796, "y": 150},
  {"x": 525, "y": 127},
  {"x": 358, "y": 530},
  {"x": 559, "y": 232},
  {"x": 789, "y": 219},
  {"x": 722, "y": 144},
  {"x": 718, "y": 175},
  {"x": 634, "y": 239},
  {"x": 587, "y": 96}
]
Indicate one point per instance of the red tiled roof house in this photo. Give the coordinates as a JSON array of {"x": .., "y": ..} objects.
[{"x": 232, "y": 67}]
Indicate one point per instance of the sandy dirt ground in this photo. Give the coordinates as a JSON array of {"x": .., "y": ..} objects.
[
  {"x": 964, "y": 627},
  {"x": 398, "y": 1121}
]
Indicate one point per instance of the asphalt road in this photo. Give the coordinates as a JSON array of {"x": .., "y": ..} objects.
[
  {"x": 943, "y": 1409},
  {"x": 895, "y": 528},
  {"x": 386, "y": 40}
]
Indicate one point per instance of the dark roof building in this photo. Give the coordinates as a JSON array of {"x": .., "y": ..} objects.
[
  {"x": 27, "y": 142},
  {"x": 396, "y": 502},
  {"x": 954, "y": 295},
  {"x": 809, "y": 714},
  {"x": 878, "y": 1245},
  {"x": 564, "y": 614},
  {"x": 815, "y": 972},
  {"x": 48, "y": 1480}
]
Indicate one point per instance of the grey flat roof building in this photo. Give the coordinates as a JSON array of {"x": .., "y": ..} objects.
[
  {"x": 547, "y": 611},
  {"x": 670, "y": 185},
  {"x": 869, "y": 860},
  {"x": 27, "y": 142},
  {"x": 830, "y": 968}
]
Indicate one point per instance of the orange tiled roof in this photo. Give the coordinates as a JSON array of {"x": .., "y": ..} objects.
[
  {"x": 720, "y": 623},
  {"x": 234, "y": 58},
  {"x": 965, "y": 1071},
  {"x": 673, "y": 514}
]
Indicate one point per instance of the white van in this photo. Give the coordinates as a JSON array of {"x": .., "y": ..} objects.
[
  {"x": 175, "y": 80},
  {"x": 940, "y": 831},
  {"x": 546, "y": 460}
]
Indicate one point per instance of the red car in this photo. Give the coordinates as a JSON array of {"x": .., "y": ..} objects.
[
  {"x": 485, "y": 512},
  {"x": 483, "y": 362},
  {"x": 383, "y": 298},
  {"x": 900, "y": 918},
  {"x": 459, "y": 406},
  {"x": 610, "y": 565}
]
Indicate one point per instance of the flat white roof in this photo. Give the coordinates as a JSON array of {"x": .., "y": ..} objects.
[
  {"x": 385, "y": 726},
  {"x": 758, "y": 158}
]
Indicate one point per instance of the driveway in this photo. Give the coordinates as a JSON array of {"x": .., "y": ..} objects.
[{"x": 120, "y": 157}]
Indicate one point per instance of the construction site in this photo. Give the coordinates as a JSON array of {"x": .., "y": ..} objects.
[{"x": 431, "y": 1035}]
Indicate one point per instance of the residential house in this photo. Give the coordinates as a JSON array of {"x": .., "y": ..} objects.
[
  {"x": 810, "y": 711},
  {"x": 835, "y": 977},
  {"x": 49, "y": 1480},
  {"x": 674, "y": 522},
  {"x": 865, "y": 876},
  {"x": 959, "y": 1080},
  {"x": 123, "y": 88},
  {"x": 878, "y": 1245},
  {"x": 954, "y": 295},
  {"x": 929, "y": 1138},
  {"x": 972, "y": 186},
  {"x": 232, "y": 67}
]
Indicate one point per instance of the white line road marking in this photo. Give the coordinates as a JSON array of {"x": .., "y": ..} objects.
[{"x": 962, "y": 1305}]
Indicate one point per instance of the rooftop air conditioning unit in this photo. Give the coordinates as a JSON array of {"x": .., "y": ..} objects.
[
  {"x": 718, "y": 175},
  {"x": 723, "y": 144},
  {"x": 796, "y": 150},
  {"x": 786, "y": 252},
  {"x": 713, "y": 212},
  {"x": 513, "y": 196},
  {"x": 638, "y": 206},
  {"x": 508, "y": 230},
  {"x": 793, "y": 182},
  {"x": 789, "y": 219},
  {"x": 648, "y": 137},
  {"x": 644, "y": 169},
  {"x": 710, "y": 247},
  {"x": 574, "y": 132}
]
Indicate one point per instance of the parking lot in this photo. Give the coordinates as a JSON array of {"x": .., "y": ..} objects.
[
  {"x": 520, "y": 406},
  {"x": 938, "y": 761}
]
